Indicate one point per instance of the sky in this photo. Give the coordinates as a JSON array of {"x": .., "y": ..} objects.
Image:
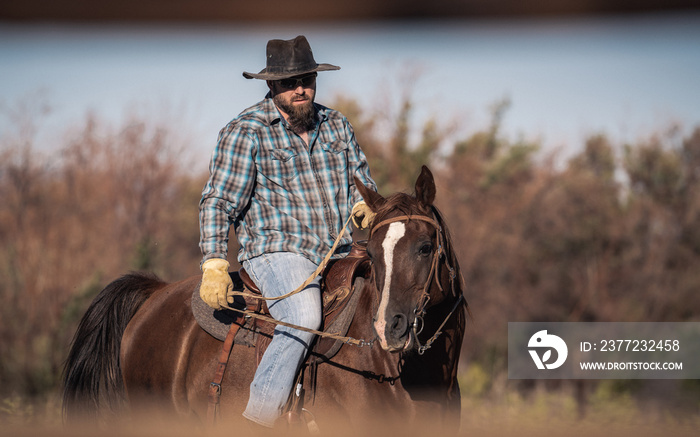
[{"x": 566, "y": 79}]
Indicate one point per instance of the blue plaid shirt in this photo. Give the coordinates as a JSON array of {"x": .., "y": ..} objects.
[{"x": 280, "y": 194}]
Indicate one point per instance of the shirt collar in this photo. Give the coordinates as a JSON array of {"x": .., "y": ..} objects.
[{"x": 272, "y": 115}]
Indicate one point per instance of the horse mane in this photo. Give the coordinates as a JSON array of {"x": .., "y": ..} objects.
[
  {"x": 402, "y": 202},
  {"x": 450, "y": 254}
]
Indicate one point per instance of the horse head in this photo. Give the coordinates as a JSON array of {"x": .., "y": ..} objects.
[{"x": 411, "y": 270}]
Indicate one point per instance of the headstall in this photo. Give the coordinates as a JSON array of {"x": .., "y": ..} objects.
[{"x": 419, "y": 310}]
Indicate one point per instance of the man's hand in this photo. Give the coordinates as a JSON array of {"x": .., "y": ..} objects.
[
  {"x": 362, "y": 216},
  {"x": 216, "y": 282}
]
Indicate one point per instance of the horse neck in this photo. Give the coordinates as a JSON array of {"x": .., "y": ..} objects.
[
  {"x": 450, "y": 286},
  {"x": 362, "y": 324},
  {"x": 436, "y": 369},
  {"x": 444, "y": 352}
]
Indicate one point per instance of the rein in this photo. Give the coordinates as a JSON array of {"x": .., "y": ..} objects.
[
  {"x": 347, "y": 340},
  {"x": 419, "y": 310},
  {"x": 308, "y": 280},
  {"x": 248, "y": 313}
]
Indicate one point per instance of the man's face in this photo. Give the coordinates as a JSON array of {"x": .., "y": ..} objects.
[{"x": 295, "y": 97}]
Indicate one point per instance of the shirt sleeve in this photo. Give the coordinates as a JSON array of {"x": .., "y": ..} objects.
[
  {"x": 228, "y": 190},
  {"x": 357, "y": 161}
]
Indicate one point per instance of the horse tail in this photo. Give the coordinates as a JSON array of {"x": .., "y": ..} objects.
[{"x": 92, "y": 374}]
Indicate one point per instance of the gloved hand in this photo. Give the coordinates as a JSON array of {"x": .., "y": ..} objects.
[
  {"x": 362, "y": 215},
  {"x": 216, "y": 282}
]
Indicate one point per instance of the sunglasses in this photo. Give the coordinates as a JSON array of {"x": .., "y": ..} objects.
[{"x": 293, "y": 83}]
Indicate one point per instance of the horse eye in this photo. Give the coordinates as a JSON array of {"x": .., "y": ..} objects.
[{"x": 426, "y": 249}]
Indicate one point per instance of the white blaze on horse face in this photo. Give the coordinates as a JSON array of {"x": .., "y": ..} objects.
[{"x": 396, "y": 231}]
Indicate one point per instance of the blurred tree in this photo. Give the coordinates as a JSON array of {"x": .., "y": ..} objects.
[
  {"x": 598, "y": 158},
  {"x": 105, "y": 202},
  {"x": 572, "y": 234},
  {"x": 394, "y": 145},
  {"x": 604, "y": 237},
  {"x": 663, "y": 222}
]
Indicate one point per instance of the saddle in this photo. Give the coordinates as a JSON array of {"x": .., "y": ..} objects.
[
  {"x": 338, "y": 284},
  {"x": 338, "y": 299}
]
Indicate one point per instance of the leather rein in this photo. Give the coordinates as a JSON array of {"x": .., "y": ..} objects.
[
  {"x": 214, "y": 393},
  {"x": 421, "y": 305},
  {"x": 419, "y": 310}
]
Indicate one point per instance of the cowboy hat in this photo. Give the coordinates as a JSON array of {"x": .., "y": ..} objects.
[{"x": 289, "y": 58}]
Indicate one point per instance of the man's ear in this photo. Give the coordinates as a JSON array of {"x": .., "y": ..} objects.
[{"x": 373, "y": 199}]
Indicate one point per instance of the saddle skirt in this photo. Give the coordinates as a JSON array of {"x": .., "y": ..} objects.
[{"x": 341, "y": 283}]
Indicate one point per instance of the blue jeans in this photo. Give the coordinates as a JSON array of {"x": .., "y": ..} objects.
[{"x": 277, "y": 274}]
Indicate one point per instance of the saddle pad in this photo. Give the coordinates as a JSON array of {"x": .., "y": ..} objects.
[{"x": 215, "y": 322}]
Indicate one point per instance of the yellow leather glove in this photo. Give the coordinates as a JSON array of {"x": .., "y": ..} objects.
[
  {"x": 216, "y": 282},
  {"x": 362, "y": 216}
]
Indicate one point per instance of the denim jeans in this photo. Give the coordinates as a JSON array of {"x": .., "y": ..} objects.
[{"x": 277, "y": 274}]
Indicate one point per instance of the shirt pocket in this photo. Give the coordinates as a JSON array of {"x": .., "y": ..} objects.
[
  {"x": 336, "y": 155},
  {"x": 280, "y": 166}
]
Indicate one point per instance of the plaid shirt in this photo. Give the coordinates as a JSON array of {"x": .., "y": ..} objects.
[{"x": 280, "y": 194}]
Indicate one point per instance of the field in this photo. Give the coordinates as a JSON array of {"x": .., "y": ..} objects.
[
  {"x": 612, "y": 234},
  {"x": 548, "y": 413}
]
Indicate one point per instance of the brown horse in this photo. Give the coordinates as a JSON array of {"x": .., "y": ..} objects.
[{"x": 139, "y": 340}]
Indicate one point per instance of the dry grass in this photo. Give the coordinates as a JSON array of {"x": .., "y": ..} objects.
[
  {"x": 540, "y": 413},
  {"x": 556, "y": 414},
  {"x": 535, "y": 242}
]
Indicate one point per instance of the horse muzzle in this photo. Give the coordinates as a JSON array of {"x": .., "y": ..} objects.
[{"x": 394, "y": 333}]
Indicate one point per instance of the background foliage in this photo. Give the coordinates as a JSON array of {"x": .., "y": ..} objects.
[{"x": 612, "y": 233}]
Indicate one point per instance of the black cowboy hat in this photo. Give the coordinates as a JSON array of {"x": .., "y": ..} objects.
[{"x": 289, "y": 58}]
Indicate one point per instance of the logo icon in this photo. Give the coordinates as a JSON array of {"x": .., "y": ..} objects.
[{"x": 542, "y": 340}]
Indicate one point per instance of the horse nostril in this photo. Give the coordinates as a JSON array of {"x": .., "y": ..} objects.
[{"x": 399, "y": 325}]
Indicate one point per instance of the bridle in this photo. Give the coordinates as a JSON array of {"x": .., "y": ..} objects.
[
  {"x": 438, "y": 254},
  {"x": 419, "y": 310}
]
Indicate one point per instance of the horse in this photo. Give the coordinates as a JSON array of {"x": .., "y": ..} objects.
[{"x": 138, "y": 343}]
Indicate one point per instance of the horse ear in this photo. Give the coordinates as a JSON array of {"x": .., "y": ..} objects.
[
  {"x": 373, "y": 199},
  {"x": 425, "y": 187}
]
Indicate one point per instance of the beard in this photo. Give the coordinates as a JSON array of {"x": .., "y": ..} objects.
[{"x": 302, "y": 118}]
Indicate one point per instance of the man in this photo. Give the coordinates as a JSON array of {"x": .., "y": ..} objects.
[{"x": 282, "y": 174}]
